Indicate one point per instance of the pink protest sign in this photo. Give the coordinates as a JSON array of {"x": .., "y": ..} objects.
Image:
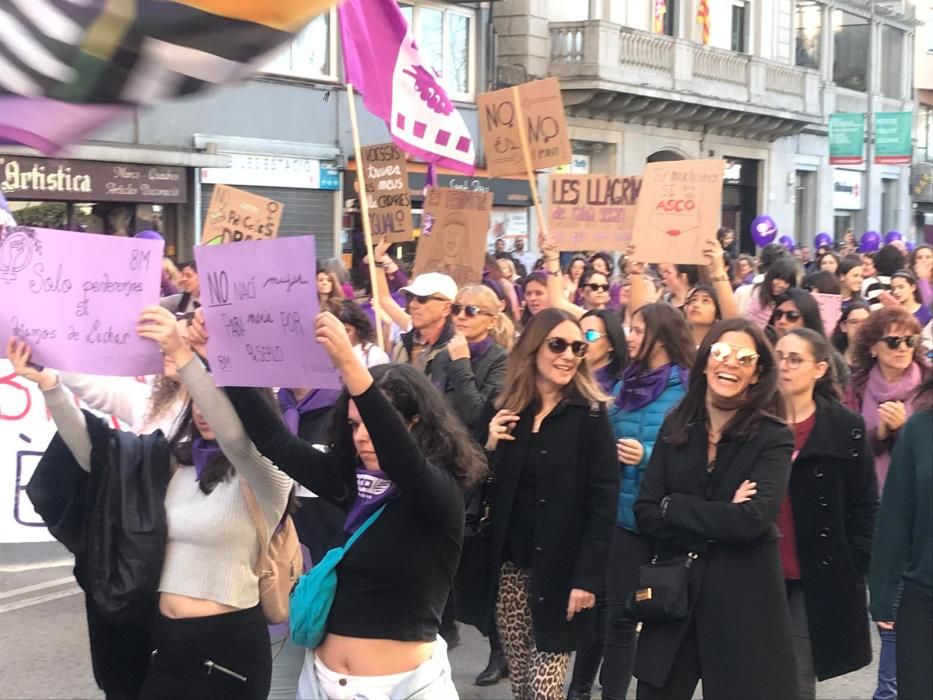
[
  {"x": 76, "y": 298},
  {"x": 260, "y": 301},
  {"x": 830, "y": 310}
]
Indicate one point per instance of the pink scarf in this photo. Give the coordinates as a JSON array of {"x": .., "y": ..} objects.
[{"x": 877, "y": 391}]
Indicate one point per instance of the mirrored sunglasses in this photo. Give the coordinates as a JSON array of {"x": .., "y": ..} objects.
[{"x": 721, "y": 352}]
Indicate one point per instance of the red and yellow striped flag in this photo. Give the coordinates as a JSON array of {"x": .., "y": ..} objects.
[{"x": 703, "y": 19}]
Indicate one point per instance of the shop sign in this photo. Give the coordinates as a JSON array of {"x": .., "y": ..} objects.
[
  {"x": 260, "y": 170},
  {"x": 847, "y": 189},
  {"x": 580, "y": 165},
  {"x": 846, "y": 138},
  {"x": 91, "y": 181},
  {"x": 506, "y": 191},
  {"x": 893, "y": 144}
]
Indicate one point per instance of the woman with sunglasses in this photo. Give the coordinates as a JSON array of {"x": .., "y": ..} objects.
[
  {"x": 553, "y": 504},
  {"x": 594, "y": 291},
  {"x": 827, "y": 518},
  {"x": 607, "y": 355},
  {"x": 710, "y": 495},
  {"x": 795, "y": 308},
  {"x": 889, "y": 364},
  {"x": 781, "y": 276},
  {"x": 904, "y": 289},
  {"x": 843, "y": 339},
  {"x": 661, "y": 352}
]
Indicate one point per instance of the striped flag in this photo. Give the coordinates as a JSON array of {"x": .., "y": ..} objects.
[
  {"x": 660, "y": 9},
  {"x": 382, "y": 60},
  {"x": 703, "y": 19},
  {"x": 68, "y": 67}
]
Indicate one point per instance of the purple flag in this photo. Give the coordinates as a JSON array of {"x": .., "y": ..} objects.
[
  {"x": 260, "y": 302},
  {"x": 382, "y": 61},
  {"x": 76, "y": 298},
  {"x": 50, "y": 125}
]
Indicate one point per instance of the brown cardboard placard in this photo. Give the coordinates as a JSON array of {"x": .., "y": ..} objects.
[
  {"x": 679, "y": 208},
  {"x": 592, "y": 212},
  {"x": 545, "y": 127},
  {"x": 236, "y": 215},
  {"x": 453, "y": 234},
  {"x": 385, "y": 173}
]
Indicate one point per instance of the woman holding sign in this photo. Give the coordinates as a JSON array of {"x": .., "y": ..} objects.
[
  {"x": 398, "y": 464},
  {"x": 210, "y": 638}
]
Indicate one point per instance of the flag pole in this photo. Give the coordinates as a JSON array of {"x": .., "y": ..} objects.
[
  {"x": 529, "y": 168},
  {"x": 364, "y": 214}
]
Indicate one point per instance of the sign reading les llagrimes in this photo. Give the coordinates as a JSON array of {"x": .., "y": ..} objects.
[
  {"x": 544, "y": 124},
  {"x": 386, "y": 176},
  {"x": 235, "y": 215},
  {"x": 592, "y": 212}
]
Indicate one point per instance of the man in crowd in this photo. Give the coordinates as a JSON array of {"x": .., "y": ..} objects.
[{"x": 430, "y": 297}]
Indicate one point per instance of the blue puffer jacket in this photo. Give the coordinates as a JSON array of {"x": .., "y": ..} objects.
[{"x": 643, "y": 425}]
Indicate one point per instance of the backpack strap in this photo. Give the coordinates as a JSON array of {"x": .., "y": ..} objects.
[
  {"x": 362, "y": 528},
  {"x": 256, "y": 514}
]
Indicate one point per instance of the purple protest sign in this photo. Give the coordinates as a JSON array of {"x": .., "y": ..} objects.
[
  {"x": 76, "y": 298},
  {"x": 260, "y": 301}
]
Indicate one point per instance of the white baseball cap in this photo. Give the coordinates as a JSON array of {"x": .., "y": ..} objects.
[{"x": 433, "y": 283}]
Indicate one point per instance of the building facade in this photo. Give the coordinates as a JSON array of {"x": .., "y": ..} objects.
[{"x": 921, "y": 181}]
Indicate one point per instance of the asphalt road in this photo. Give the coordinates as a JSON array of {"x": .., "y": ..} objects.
[{"x": 44, "y": 651}]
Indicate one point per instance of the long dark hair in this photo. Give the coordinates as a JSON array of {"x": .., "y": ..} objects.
[
  {"x": 889, "y": 260},
  {"x": 351, "y": 314},
  {"x": 762, "y": 399},
  {"x": 618, "y": 348},
  {"x": 911, "y": 279},
  {"x": 821, "y": 281},
  {"x": 840, "y": 340},
  {"x": 784, "y": 268},
  {"x": 710, "y": 291},
  {"x": 665, "y": 325},
  {"x": 439, "y": 434},
  {"x": 806, "y": 305},
  {"x": 537, "y": 277},
  {"x": 827, "y": 386}
]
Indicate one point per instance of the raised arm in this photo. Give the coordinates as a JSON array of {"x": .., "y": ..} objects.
[
  {"x": 555, "y": 280},
  {"x": 124, "y": 398},
  {"x": 719, "y": 276},
  {"x": 386, "y": 302}
]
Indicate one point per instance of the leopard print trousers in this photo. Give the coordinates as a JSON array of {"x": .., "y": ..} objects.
[{"x": 535, "y": 675}]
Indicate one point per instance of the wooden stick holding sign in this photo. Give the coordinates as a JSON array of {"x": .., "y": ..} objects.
[{"x": 364, "y": 211}]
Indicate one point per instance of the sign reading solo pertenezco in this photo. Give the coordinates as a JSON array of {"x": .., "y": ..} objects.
[{"x": 91, "y": 181}]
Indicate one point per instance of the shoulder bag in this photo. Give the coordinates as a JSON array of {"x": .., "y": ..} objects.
[{"x": 662, "y": 594}]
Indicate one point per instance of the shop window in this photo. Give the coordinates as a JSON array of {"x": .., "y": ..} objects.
[
  {"x": 850, "y": 50},
  {"x": 809, "y": 30},
  {"x": 311, "y": 53},
  {"x": 888, "y": 205},
  {"x": 804, "y": 204},
  {"x": 740, "y": 26},
  {"x": 445, "y": 38},
  {"x": 892, "y": 62},
  {"x": 40, "y": 214}
]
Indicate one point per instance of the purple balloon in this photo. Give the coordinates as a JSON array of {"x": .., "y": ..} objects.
[
  {"x": 869, "y": 242},
  {"x": 787, "y": 242},
  {"x": 892, "y": 236},
  {"x": 823, "y": 239},
  {"x": 764, "y": 230}
]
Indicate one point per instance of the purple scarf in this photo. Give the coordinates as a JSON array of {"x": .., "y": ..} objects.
[
  {"x": 640, "y": 387},
  {"x": 203, "y": 453},
  {"x": 607, "y": 376},
  {"x": 477, "y": 350},
  {"x": 373, "y": 489},
  {"x": 292, "y": 410},
  {"x": 877, "y": 391}
]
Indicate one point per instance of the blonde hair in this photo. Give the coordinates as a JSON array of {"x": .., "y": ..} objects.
[
  {"x": 521, "y": 387},
  {"x": 503, "y": 332},
  {"x": 513, "y": 271}
]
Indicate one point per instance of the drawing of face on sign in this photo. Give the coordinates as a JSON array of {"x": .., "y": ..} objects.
[
  {"x": 676, "y": 214},
  {"x": 18, "y": 246}
]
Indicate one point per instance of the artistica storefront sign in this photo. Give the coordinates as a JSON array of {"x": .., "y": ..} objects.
[{"x": 91, "y": 181}]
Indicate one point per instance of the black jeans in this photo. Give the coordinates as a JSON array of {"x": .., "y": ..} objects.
[
  {"x": 226, "y": 657},
  {"x": 616, "y": 637},
  {"x": 914, "y": 643}
]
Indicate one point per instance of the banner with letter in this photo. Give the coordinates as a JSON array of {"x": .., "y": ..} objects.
[
  {"x": 893, "y": 142},
  {"x": 385, "y": 173},
  {"x": 235, "y": 215},
  {"x": 592, "y": 212},
  {"x": 846, "y": 138},
  {"x": 260, "y": 302},
  {"x": 76, "y": 298}
]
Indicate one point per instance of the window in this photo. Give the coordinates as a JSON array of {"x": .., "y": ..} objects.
[
  {"x": 809, "y": 29},
  {"x": 670, "y": 17},
  {"x": 445, "y": 38},
  {"x": 924, "y": 134},
  {"x": 888, "y": 205},
  {"x": 850, "y": 52},
  {"x": 740, "y": 27},
  {"x": 892, "y": 62},
  {"x": 311, "y": 53},
  {"x": 804, "y": 203}
]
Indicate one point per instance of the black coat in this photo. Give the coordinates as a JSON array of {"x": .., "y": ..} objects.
[
  {"x": 577, "y": 492},
  {"x": 738, "y": 603},
  {"x": 471, "y": 385},
  {"x": 834, "y": 498}
]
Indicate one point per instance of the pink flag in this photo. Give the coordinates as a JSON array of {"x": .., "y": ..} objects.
[{"x": 382, "y": 61}]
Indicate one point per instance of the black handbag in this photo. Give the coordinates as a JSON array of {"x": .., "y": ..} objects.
[{"x": 662, "y": 593}]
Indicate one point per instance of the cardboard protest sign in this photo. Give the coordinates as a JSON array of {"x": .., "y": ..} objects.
[
  {"x": 679, "y": 207},
  {"x": 830, "y": 310},
  {"x": 592, "y": 212},
  {"x": 260, "y": 300},
  {"x": 453, "y": 234},
  {"x": 76, "y": 298},
  {"x": 544, "y": 123},
  {"x": 236, "y": 215},
  {"x": 385, "y": 173}
]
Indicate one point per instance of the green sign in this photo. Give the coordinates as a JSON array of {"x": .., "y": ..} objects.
[
  {"x": 893, "y": 137},
  {"x": 846, "y": 138}
]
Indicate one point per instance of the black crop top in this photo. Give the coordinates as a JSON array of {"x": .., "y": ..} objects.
[{"x": 395, "y": 580}]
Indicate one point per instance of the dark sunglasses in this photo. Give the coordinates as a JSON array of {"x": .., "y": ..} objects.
[
  {"x": 792, "y": 316},
  {"x": 471, "y": 310},
  {"x": 894, "y": 341},
  {"x": 597, "y": 287},
  {"x": 558, "y": 346},
  {"x": 423, "y": 299}
]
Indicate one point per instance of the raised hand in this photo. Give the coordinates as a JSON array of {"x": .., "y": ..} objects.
[
  {"x": 19, "y": 353},
  {"x": 158, "y": 324}
]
